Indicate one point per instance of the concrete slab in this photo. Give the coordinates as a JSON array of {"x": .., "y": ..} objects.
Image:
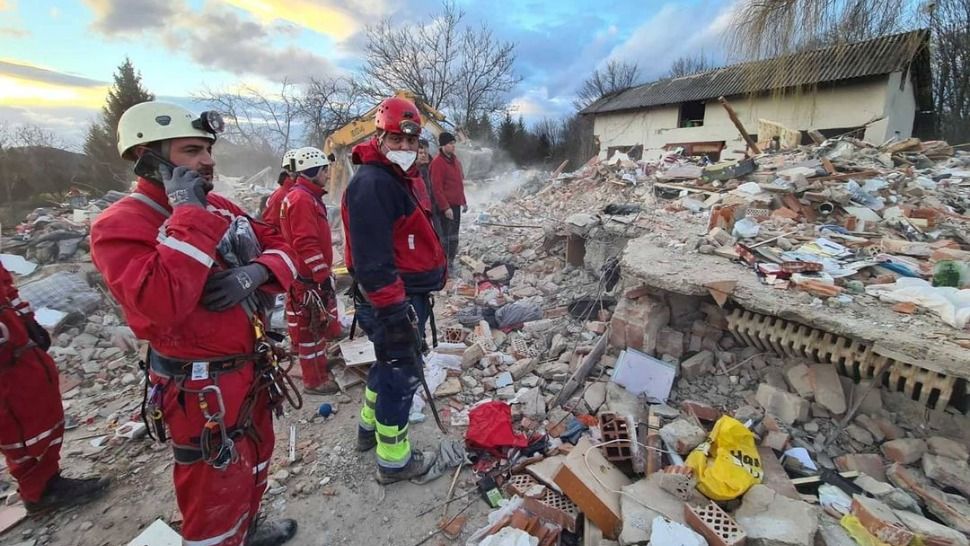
[{"x": 930, "y": 344}]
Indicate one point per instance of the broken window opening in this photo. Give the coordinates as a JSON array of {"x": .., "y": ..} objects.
[{"x": 692, "y": 114}]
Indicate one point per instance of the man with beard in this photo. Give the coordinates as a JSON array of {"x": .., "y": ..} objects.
[{"x": 189, "y": 269}]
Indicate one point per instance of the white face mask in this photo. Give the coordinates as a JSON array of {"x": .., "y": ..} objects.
[{"x": 402, "y": 158}]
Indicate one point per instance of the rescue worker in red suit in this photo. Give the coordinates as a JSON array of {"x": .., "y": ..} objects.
[
  {"x": 396, "y": 260},
  {"x": 31, "y": 415},
  {"x": 285, "y": 181},
  {"x": 311, "y": 305},
  {"x": 161, "y": 253}
]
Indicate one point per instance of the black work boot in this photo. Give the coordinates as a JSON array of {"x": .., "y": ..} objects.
[
  {"x": 273, "y": 533},
  {"x": 420, "y": 463},
  {"x": 366, "y": 440},
  {"x": 62, "y": 492}
]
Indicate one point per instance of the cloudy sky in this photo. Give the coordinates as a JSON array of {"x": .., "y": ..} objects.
[{"x": 57, "y": 57}]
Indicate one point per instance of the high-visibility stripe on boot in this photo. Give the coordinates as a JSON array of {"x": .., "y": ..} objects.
[
  {"x": 368, "y": 417},
  {"x": 393, "y": 446}
]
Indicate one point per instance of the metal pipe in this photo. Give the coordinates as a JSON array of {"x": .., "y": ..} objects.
[{"x": 825, "y": 208}]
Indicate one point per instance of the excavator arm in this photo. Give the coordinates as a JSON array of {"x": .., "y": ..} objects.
[{"x": 340, "y": 142}]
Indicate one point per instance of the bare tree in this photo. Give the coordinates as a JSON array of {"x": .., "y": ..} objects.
[
  {"x": 688, "y": 65},
  {"x": 442, "y": 61},
  {"x": 769, "y": 28},
  {"x": 949, "y": 21},
  {"x": 615, "y": 77},
  {"x": 328, "y": 104},
  {"x": 255, "y": 119},
  {"x": 17, "y": 136}
]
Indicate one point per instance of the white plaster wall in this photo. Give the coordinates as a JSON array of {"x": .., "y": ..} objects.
[
  {"x": 900, "y": 111},
  {"x": 850, "y": 105}
]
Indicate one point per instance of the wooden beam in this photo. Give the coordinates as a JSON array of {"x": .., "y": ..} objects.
[{"x": 740, "y": 126}]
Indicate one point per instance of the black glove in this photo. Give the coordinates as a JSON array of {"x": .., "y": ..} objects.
[
  {"x": 401, "y": 339},
  {"x": 38, "y": 334},
  {"x": 183, "y": 186},
  {"x": 227, "y": 288}
]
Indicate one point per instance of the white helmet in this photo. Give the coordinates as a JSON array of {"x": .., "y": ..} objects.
[
  {"x": 308, "y": 158},
  {"x": 289, "y": 155},
  {"x": 153, "y": 121}
]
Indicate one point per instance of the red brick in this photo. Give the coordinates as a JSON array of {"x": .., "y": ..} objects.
[
  {"x": 637, "y": 292},
  {"x": 717, "y": 526},
  {"x": 670, "y": 342},
  {"x": 880, "y": 520},
  {"x": 867, "y": 463},
  {"x": 700, "y": 410},
  {"x": 905, "y": 450}
]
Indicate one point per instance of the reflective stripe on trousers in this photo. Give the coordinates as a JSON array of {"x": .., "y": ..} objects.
[{"x": 367, "y": 411}]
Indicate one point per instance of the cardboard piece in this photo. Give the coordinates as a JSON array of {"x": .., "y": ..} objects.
[
  {"x": 358, "y": 352},
  {"x": 640, "y": 373}
]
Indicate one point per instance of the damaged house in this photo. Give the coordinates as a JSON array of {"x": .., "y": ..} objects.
[{"x": 880, "y": 88}]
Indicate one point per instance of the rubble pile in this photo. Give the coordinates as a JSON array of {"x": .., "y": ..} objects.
[{"x": 640, "y": 410}]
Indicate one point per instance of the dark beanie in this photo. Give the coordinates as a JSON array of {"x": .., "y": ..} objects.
[{"x": 445, "y": 138}]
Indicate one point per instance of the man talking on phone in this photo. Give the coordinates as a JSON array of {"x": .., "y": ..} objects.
[{"x": 191, "y": 271}]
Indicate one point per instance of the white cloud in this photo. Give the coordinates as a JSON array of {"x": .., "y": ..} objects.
[{"x": 675, "y": 32}]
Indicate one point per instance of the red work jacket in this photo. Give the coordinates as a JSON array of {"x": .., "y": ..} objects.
[
  {"x": 271, "y": 215},
  {"x": 447, "y": 182},
  {"x": 156, "y": 261},
  {"x": 13, "y": 314},
  {"x": 303, "y": 221}
]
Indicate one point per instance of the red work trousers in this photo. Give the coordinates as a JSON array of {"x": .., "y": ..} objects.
[
  {"x": 310, "y": 326},
  {"x": 31, "y": 420},
  {"x": 218, "y": 506}
]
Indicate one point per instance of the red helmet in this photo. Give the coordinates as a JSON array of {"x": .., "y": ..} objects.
[{"x": 397, "y": 115}]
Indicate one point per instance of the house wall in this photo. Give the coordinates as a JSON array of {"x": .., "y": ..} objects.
[{"x": 851, "y": 104}]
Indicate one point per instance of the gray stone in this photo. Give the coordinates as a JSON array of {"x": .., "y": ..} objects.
[
  {"x": 469, "y": 381},
  {"x": 771, "y": 519},
  {"x": 787, "y": 407},
  {"x": 664, "y": 411},
  {"x": 828, "y": 388},
  {"x": 938, "y": 445},
  {"x": 550, "y": 369},
  {"x": 859, "y": 434},
  {"x": 697, "y": 366},
  {"x": 831, "y": 532},
  {"x": 91, "y": 367},
  {"x": 85, "y": 341},
  {"x": 530, "y": 381},
  {"x": 595, "y": 396},
  {"x": 800, "y": 380},
  {"x": 558, "y": 346},
  {"x": 505, "y": 393},
  {"x": 683, "y": 435},
  {"x": 533, "y": 404},
  {"x": 930, "y": 530},
  {"x": 523, "y": 367},
  {"x": 948, "y": 472}
]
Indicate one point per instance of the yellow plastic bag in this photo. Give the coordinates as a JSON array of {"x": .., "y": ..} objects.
[
  {"x": 858, "y": 532},
  {"x": 735, "y": 466}
]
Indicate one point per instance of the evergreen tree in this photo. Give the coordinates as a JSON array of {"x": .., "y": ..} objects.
[
  {"x": 506, "y": 134},
  {"x": 101, "y": 144}
]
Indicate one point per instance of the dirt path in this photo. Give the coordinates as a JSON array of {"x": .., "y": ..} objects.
[{"x": 351, "y": 508}]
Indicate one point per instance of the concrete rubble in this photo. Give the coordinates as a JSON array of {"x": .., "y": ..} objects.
[{"x": 552, "y": 292}]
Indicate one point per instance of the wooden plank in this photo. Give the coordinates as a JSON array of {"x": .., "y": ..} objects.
[
  {"x": 684, "y": 188},
  {"x": 587, "y": 366},
  {"x": 851, "y": 474},
  {"x": 740, "y": 126}
]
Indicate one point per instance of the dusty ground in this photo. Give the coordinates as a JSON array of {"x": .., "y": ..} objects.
[{"x": 351, "y": 509}]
